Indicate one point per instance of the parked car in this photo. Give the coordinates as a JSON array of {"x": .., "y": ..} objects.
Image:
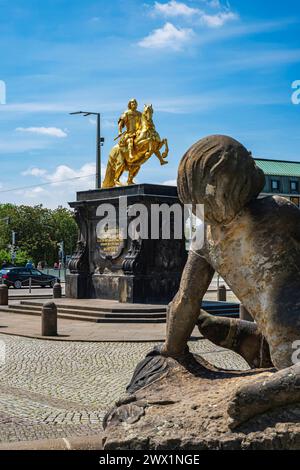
[{"x": 19, "y": 277}]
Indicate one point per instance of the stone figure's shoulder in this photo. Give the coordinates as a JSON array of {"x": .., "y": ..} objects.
[
  {"x": 273, "y": 209},
  {"x": 280, "y": 203}
]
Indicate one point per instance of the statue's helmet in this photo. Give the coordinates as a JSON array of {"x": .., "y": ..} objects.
[{"x": 220, "y": 173}]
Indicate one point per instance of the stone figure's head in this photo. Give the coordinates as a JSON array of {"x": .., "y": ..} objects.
[
  {"x": 133, "y": 104},
  {"x": 220, "y": 173}
]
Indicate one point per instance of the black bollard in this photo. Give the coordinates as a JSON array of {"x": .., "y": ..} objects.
[
  {"x": 57, "y": 290},
  {"x": 3, "y": 294},
  {"x": 49, "y": 319},
  {"x": 244, "y": 314},
  {"x": 222, "y": 294}
]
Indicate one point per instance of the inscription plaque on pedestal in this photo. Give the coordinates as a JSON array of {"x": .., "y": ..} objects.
[{"x": 110, "y": 242}]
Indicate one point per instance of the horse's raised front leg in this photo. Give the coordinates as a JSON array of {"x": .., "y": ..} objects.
[
  {"x": 159, "y": 155},
  {"x": 160, "y": 158},
  {"x": 281, "y": 389},
  {"x": 166, "y": 152}
]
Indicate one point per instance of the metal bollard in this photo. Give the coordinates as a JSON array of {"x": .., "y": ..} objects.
[
  {"x": 3, "y": 294},
  {"x": 57, "y": 290},
  {"x": 222, "y": 294},
  {"x": 49, "y": 319},
  {"x": 244, "y": 314}
]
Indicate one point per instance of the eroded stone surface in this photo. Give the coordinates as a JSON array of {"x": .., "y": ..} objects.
[{"x": 182, "y": 411}]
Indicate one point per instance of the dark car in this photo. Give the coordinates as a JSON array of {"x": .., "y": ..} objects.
[{"x": 19, "y": 277}]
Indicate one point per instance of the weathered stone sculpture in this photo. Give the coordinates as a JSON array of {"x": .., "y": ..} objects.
[{"x": 254, "y": 244}]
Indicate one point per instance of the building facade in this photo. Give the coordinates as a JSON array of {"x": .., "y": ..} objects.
[{"x": 282, "y": 178}]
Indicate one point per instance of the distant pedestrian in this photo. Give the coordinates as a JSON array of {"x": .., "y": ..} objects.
[
  {"x": 29, "y": 264},
  {"x": 55, "y": 265}
]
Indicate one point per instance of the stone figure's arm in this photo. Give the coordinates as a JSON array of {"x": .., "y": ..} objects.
[
  {"x": 265, "y": 394},
  {"x": 184, "y": 309}
]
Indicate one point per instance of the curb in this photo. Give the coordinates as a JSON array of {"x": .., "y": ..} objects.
[{"x": 94, "y": 442}]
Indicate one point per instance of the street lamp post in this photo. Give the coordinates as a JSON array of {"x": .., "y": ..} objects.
[{"x": 99, "y": 143}]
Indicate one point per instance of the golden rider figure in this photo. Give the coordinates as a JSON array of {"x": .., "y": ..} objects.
[{"x": 131, "y": 119}]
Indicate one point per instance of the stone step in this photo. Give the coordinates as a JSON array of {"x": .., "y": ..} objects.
[
  {"x": 94, "y": 319},
  {"x": 123, "y": 308},
  {"x": 118, "y": 315},
  {"x": 219, "y": 311},
  {"x": 90, "y": 313},
  {"x": 209, "y": 306}
]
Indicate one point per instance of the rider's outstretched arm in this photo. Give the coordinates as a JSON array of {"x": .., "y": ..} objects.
[{"x": 184, "y": 309}]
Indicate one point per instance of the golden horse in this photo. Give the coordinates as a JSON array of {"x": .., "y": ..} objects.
[{"x": 147, "y": 142}]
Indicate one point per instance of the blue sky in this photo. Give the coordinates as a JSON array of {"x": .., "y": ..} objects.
[{"x": 207, "y": 67}]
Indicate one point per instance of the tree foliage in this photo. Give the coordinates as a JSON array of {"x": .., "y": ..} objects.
[{"x": 38, "y": 231}]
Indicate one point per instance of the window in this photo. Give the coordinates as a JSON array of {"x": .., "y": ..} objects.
[
  {"x": 23, "y": 272},
  {"x": 294, "y": 185},
  {"x": 35, "y": 272},
  {"x": 275, "y": 185}
]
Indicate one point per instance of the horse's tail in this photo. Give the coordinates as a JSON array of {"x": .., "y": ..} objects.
[{"x": 109, "y": 180}]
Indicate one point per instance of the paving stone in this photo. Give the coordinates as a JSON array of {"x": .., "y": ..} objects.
[{"x": 54, "y": 389}]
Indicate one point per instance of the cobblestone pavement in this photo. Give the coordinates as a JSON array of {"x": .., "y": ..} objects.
[{"x": 56, "y": 389}]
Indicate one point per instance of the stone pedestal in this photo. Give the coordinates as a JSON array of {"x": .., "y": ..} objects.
[{"x": 126, "y": 266}]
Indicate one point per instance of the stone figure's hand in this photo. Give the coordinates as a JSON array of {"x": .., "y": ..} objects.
[{"x": 148, "y": 370}]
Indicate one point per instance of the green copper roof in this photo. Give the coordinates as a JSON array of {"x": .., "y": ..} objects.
[{"x": 279, "y": 168}]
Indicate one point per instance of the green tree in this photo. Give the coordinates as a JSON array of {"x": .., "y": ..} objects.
[
  {"x": 65, "y": 228},
  {"x": 4, "y": 256},
  {"x": 38, "y": 231}
]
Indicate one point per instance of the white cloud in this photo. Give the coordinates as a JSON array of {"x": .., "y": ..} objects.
[
  {"x": 65, "y": 172},
  {"x": 173, "y": 8},
  {"x": 214, "y": 3},
  {"x": 33, "y": 193},
  {"x": 167, "y": 37},
  {"x": 218, "y": 20},
  {"x": 56, "y": 187},
  {"x": 52, "y": 131},
  {"x": 34, "y": 172},
  {"x": 170, "y": 183},
  {"x": 66, "y": 177}
]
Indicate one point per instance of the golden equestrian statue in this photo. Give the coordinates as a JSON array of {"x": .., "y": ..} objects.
[{"x": 137, "y": 144}]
